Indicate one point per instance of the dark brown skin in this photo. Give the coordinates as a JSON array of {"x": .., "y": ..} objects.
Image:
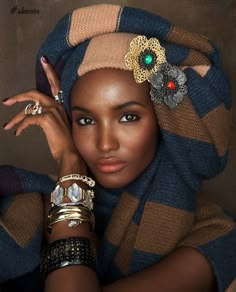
[
  {"x": 114, "y": 125},
  {"x": 116, "y": 136}
]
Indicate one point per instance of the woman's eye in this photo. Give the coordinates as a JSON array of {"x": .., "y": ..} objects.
[
  {"x": 129, "y": 118},
  {"x": 86, "y": 121}
]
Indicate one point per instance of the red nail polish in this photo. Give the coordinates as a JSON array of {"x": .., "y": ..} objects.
[
  {"x": 45, "y": 59},
  {"x": 5, "y": 99}
]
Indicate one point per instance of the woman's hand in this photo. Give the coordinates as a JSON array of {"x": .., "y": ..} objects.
[{"x": 53, "y": 119}]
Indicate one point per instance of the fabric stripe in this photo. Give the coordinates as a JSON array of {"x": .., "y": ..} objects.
[
  {"x": 15, "y": 260},
  {"x": 175, "y": 54},
  {"x": 195, "y": 160},
  {"x": 105, "y": 256},
  {"x": 210, "y": 223},
  {"x": 200, "y": 69},
  {"x": 141, "y": 260},
  {"x": 196, "y": 41},
  {"x": 124, "y": 253},
  {"x": 195, "y": 58},
  {"x": 106, "y": 51},
  {"x": 180, "y": 122},
  {"x": 23, "y": 217},
  {"x": 59, "y": 39},
  {"x": 222, "y": 256},
  {"x": 213, "y": 128},
  {"x": 201, "y": 93},
  {"x": 218, "y": 124},
  {"x": 118, "y": 225},
  {"x": 70, "y": 69},
  {"x": 88, "y": 22},
  {"x": 135, "y": 20},
  {"x": 161, "y": 235}
]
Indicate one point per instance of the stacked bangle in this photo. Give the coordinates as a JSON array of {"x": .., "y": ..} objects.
[
  {"x": 75, "y": 194},
  {"x": 72, "y": 204},
  {"x": 74, "y": 214},
  {"x": 68, "y": 252}
]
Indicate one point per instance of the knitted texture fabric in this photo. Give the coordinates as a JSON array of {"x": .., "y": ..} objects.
[{"x": 160, "y": 210}]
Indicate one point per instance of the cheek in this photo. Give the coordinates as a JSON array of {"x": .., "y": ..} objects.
[
  {"x": 144, "y": 139},
  {"x": 81, "y": 141}
]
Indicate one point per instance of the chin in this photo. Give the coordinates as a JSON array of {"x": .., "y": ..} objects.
[{"x": 112, "y": 182}]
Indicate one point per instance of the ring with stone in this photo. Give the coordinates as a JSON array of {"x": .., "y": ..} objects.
[
  {"x": 33, "y": 109},
  {"x": 59, "y": 96}
]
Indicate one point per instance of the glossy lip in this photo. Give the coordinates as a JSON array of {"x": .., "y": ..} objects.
[{"x": 110, "y": 165}]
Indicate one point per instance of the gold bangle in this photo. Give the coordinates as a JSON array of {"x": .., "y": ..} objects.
[
  {"x": 80, "y": 209},
  {"x": 74, "y": 214},
  {"x": 75, "y": 176}
]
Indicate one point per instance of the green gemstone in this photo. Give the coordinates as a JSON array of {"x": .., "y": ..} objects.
[{"x": 148, "y": 59}]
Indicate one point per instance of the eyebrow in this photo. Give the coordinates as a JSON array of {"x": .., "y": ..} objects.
[{"x": 117, "y": 107}]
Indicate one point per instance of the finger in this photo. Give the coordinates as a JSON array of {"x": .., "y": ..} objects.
[
  {"x": 32, "y": 120},
  {"x": 49, "y": 118},
  {"x": 51, "y": 74},
  {"x": 56, "y": 108},
  {"x": 31, "y": 95},
  {"x": 15, "y": 120}
]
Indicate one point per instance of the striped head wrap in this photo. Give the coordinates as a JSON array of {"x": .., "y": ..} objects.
[
  {"x": 196, "y": 132},
  {"x": 159, "y": 211}
]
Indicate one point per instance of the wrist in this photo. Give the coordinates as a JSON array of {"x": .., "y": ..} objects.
[
  {"x": 71, "y": 162},
  {"x": 61, "y": 230}
]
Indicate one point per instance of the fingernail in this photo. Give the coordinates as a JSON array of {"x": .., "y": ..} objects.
[
  {"x": 45, "y": 59},
  {"x": 5, "y": 99},
  {"x": 4, "y": 125}
]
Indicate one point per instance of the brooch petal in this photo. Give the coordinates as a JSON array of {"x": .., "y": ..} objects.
[
  {"x": 144, "y": 57},
  {"x": 168, "y": 85}
]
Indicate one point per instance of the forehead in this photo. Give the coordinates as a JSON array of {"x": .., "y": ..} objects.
[{"x": 109, "y": 82}]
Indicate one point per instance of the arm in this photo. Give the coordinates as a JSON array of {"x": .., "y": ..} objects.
[{"x": 185, "y": 269}]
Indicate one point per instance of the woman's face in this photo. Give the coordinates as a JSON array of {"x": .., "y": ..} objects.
[{"x": 114, "y": 125}]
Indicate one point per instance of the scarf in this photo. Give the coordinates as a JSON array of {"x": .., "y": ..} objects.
[{"x": 146, "y": 220}]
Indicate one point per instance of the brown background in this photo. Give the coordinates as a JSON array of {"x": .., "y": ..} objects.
[{"x": 21, "y": 36}]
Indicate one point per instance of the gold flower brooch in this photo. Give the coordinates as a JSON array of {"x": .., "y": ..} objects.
[{"x": 147, "y": 59}]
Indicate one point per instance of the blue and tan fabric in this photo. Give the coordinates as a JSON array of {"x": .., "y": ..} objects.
[{"x": 161, "y": 210}]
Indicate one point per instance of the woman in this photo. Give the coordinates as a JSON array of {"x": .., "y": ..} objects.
[{"x": 145, "y": 130}]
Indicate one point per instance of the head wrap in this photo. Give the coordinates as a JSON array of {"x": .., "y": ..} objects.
[
  {"x": 196, "y": 132},
  {"x": 158, "y": 211}
]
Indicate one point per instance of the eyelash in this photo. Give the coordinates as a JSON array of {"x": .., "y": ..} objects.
[
  {"x": 134, "y": 117},
  {"x": 84, "y": 119},
  {"x": 90, "y": 121}
]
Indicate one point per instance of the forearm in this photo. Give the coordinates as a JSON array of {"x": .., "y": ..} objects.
[
  {"x": 185, "y": 269},
  {"x": 72, "y": 278}
]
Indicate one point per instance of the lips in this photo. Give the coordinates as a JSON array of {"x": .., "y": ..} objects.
[{"x": 110, "y": 165}]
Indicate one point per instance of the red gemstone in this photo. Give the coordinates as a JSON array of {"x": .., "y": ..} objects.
[{"x": 170, "y": 85}]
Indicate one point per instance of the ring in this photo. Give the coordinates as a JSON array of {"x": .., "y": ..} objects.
[
  {"x": 59, "y": 97},
  {"x": 33, "y": 109}
]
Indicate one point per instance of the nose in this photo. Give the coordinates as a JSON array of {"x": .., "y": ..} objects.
[{"x": 107, "y": 139}]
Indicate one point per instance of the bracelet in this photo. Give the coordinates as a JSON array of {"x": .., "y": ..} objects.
[
  {"x": 69, "y": 251},
  {"x": 74, "y": 214},
  {"x": 76, "y": 195},
  {"x": 90, "y": 182}
]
